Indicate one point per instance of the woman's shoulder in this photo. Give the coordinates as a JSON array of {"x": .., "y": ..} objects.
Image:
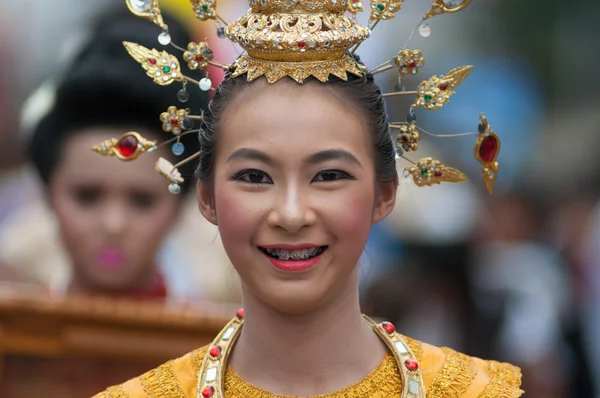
[
  {"x": 447, "y": 371},
  {"x": 176, "y": 378}
]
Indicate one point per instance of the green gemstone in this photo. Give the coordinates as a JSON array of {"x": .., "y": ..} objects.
[
  {"x": 204, "y": 7},
  {"x": 380, "y": 7},
  {"x": 166, "y": 69},
  {"x": 427, "y": 97},
  {"x": 424, "y": 172}
]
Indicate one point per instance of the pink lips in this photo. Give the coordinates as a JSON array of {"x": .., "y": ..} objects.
[
  {"x": 293, "y": 265},
  {"x": 111, "y": 258}
]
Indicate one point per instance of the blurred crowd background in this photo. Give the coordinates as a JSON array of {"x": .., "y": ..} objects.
[{"x": 514, "y": 276}]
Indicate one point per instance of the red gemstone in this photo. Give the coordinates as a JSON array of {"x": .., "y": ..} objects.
[
  {"x": 215, "y": 351},
  {"x": 443, "y": 86},
  {"x": 152, "y": 61},
  {"x": 301, "y": 44},
  {"x": 388, "y": 327},
  {"x": 127, "y": 146},
  {"x": 174, "y": 122},
  {"x": 199, "y": 58},
  {"x": 208, "y": 392},
  {"x": 405, "y": 139},
  {"x": 411, "y": 364},
  {"x": 412, "y": 65},
  {"x": 240, "y": 313},
  {"x": 488, "y": 149},
  {"x": 438, "y": 173}
]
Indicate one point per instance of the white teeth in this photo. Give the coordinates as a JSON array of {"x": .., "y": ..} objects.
[{"x": 294, "y": 254}]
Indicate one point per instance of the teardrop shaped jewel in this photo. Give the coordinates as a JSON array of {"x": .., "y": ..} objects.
[
  {"x": 140, "y": 5},
  {"x": 183, "y": 95},
  {"x": 178, "y": 149},
  {"x": 164, "y": 38},
  {"x": 424, "y": 30}
]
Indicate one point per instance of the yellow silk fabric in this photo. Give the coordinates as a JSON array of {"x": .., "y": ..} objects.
[{"x": 446, "y": 373}]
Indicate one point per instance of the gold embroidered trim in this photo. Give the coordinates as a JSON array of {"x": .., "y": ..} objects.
[
  {"x": 161, "y": 382},
  {"x": 415, "y": 346},
  {"x": 383, "y": 381},
  {"x": 454, "y": 378},
  {"x": 498, "y": 388},
  {"x": 115, "y": 392},
  {"x": 197, "y": 358},
  {"x": 505, "y": 372}
]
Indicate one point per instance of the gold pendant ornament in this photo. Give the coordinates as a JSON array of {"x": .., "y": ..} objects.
[
  {"x": 129, "y": 147},
  {"x": 211, "y": 377},
  {"x": 486, "y": 150}
]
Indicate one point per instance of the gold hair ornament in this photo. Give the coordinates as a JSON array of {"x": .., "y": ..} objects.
[
  {"x": 129, "y": 147},
  {"x": 299, "y": 40}
]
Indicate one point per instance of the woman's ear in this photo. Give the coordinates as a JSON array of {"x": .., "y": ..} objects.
[
  {"x": 206, "y": 202},
  {"x": 386, "y": 200}
]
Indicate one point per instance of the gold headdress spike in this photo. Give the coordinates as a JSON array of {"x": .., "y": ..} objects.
[{"x": 300, "y": 40}]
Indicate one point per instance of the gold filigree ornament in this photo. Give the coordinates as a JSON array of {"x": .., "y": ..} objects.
[
  {"x": 384, "y": 9},
  {"x": 408, "y": 137},
  {"x": 440, "y": 7},
  {"x": 435, "y": 92},
  {"x": 198, "y": 56},
  {"x": 211, "y": 378},
  {"x": 161, "y": 66},
  {"x": 409, "y": 62},
  {"x": 486, "y": 150},
  {"x": 428, "y": 172},
  {"x": 147, "y": 9},
  {"x": 129, "y": 147},
  {"x": 174, "y": 120}
]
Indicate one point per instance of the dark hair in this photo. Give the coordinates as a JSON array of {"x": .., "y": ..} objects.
[
  {"x": 362, "y": 92},
  {"x": 105, "y": 87}
]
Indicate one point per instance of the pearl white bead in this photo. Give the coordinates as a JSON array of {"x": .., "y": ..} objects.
[
  {"x": 164, "y": 38},
  {"x": 205, "y": 84}
]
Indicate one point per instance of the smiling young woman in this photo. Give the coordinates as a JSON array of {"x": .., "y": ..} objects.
[{"x": 294, "y": 176}]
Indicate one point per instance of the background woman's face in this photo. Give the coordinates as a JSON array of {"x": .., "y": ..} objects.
[
  {"x": 113, "y": 215},
  {"x": 295, "y": 193}
]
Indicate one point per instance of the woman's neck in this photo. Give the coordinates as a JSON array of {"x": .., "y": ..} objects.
[{"x": 324, "y": 351}]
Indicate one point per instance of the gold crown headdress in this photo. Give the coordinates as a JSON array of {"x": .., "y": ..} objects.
[{"x": 302, "y": 39}]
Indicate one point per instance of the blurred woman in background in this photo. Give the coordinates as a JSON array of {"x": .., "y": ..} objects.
[{"x": 113, "y": 217}]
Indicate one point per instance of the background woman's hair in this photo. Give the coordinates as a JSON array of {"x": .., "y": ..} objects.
[
  {"x": 361, "y": 92},
  {"x": 104, "y": 87}
]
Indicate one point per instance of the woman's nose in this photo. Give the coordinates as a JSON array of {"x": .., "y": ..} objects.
[
  {"x": 114, "y": 219},
  {"x": 292, "y": 211}
]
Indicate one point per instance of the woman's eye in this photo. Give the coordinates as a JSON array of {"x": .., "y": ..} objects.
[
  {"x": 142, "y": 200},
  {"x": 253, "y": 177},
  {"x": 332, "y": 175},
  {"x": 87, "y": 196}
]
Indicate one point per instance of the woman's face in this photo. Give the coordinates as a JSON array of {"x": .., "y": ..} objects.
[
  {"x": 113, "y": 215},
  {"x": 294, "y": 193}
]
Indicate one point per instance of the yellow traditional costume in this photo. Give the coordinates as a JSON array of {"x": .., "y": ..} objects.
[
  {"x": 302, "y": 40},
  {"x": 446, "y": 374}
]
